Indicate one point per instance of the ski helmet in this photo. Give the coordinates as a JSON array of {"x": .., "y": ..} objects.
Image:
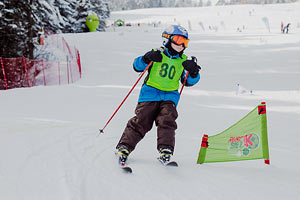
[{"x": 174, "y": 30}]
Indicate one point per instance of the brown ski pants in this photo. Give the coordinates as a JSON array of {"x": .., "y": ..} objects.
[{"x": 163, "y": 113}]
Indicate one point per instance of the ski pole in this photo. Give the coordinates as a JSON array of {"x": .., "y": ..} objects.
[
  {"x": 102, "y": 130},
  {"x": 187, "y": 74},
  {"x": 184, "y": 82}
]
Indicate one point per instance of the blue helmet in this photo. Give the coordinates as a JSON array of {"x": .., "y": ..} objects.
[{"x": 175, "y": 30}]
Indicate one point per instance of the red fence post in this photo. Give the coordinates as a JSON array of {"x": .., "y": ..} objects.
[
  {"x": 62, "y": 44},
  {"x": 78, "y": 61},
  {"x": 68, "y": 47},
  {"x": 25, "y": 66},
  {"x": 69, "y": 63},
  {"x": 68, "y": 70},
  {"x": 3, "y": 71},
  {"x": 44, "y": 72}
]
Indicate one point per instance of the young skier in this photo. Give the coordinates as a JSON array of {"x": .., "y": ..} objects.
[{"x": 159, "y": 94}]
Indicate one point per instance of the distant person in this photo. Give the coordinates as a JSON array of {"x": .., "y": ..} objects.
[
  {"x": 41, "y": 35},
  {"x": 287, "y": 28},
  {"x": 159, "y": 94},
  {"x": 281, "y": 27}
]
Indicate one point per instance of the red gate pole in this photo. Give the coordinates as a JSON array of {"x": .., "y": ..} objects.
[
  {"x": 25, "y": 66},
  {"x": 44, "y": 72},
  {"x": 78, "y": 62},
  {"x": 68, "y": 70},
  {"x": 3, "y": 71}
]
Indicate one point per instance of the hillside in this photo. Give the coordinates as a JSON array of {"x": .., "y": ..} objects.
[{"x": 50, "y": 146}]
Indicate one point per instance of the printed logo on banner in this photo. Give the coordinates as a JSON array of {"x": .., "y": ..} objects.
[{"x": 243, "y": 145}]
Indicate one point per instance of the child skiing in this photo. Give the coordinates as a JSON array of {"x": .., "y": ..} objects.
[{"x": 159, "y": 94}]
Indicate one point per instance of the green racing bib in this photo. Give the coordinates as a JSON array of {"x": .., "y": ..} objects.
[{"x": 165, "y": 75}]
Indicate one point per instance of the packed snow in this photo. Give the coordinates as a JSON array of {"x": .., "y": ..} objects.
[{"x": 50, "y": 147}]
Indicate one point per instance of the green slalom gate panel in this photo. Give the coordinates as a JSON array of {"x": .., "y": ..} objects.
[{"x": 245, "y": 140}]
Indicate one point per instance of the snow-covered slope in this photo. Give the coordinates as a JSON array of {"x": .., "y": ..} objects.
[{"x": 49, "y": 142}]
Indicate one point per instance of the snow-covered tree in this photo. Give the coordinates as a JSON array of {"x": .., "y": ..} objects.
[
  {"x": 134, "y": 4},
  {"x": 47, "y": 16},
  {"x": 16, "y": 28},
  {"x": 83, "y": 8},
  {"x": 101, "y": 9},
  {"x": 20, "y": 21},
  {"x": 66, "y": 10}
]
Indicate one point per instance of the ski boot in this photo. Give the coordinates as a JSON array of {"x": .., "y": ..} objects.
[
  {"x": 165, "y": 155},
  {"x": 123, "y": 154}
]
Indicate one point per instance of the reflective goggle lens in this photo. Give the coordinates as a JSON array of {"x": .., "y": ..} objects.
[{"x": 179, "y": 40}]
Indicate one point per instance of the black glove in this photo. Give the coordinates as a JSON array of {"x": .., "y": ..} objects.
[
  {"x": 192, "y": 67},
  {"x": 153, "y": 55}
]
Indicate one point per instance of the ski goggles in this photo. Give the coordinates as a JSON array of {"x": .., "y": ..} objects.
[
  {"x": 177, "y": 39},
  {"x": 180, "y": 40}
]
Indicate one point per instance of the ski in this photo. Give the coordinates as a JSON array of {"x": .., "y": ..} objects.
[
  {"x": 172, "y": 164},
  {"x": 168, "y": 163},
  {"x": 123, "y": 165},
  {"x": 126, "y": 169}
]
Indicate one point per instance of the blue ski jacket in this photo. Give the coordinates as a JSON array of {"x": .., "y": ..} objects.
[{"x": 149, "y": 93}]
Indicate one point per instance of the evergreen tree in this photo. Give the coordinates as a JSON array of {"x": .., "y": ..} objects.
[
  {"x": 47, "y": 16},
  {"x": 154, "y": 3},
  {"x": 87, "y": 7},
  {"x": 16, "y": 29},
  {"x": 101, "y": 9},
  {"x": 20, "y": 21},
  {"x": 67, "y": 10},
  {"x": 82, "y": 10}
]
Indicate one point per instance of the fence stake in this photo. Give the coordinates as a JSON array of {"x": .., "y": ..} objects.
[
  {"x": 58, "y": 65},
  {"x": 68, "y": 47},
  {"x": 25, "y": 66},
  {"x": 44, "y": 72},
  {"x": 3, "y": 71},
  {"x": 68, "y": 69},
  {"x": 70, "y": 64}
]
